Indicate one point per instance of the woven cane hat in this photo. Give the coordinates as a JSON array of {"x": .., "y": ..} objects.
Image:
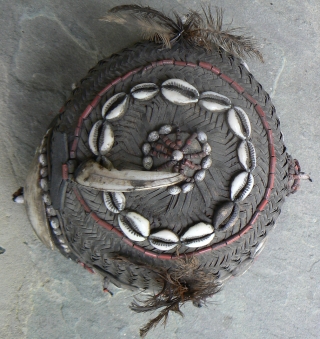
[{"x": 166, "y": 168}]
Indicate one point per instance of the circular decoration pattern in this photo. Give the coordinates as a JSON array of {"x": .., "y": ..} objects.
[{"x": 178, "y": 152}]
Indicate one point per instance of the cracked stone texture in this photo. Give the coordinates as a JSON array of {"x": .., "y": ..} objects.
[{"x": 47, "y": 46}]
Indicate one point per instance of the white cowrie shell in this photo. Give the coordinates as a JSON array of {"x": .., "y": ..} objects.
[
  {"x": 46, "y": 198},
  {"x": 93, "y": 137},
  {"x": 164, "y": 240},
  {"x": 44, "y": 184},
  {"x": 241, "y": 186},
  {"x": 43, "y": 160},
  {"x": 106, "y": 139},
  {"x": 114, "y": 202},
  {"x": 115, "y": 107},
  {"x": 198, "y": 235},
  {"x": 214, "y": 102},
  {"x": 200, "y": 175},
  {"x": 128, "y": 230},
  {"x": 228, "y": 211},
  {"x": 179, "y": 92},
  {"x": 145, "y": 91},
  {"x": 147, "y": 162},
  {"x": 202, "y": 137},
  {"x": 247, "y": 155},
  {"x": 54, "y": 222},
  {"x": 239, "y": 122},
  {"x": 174, "y": 190},
  {"x": 146, "y": 148},
  {"x": 153, "y": 136},
  {"x": 166, "y": 129},
  {"x": 141, "y": 224},
  {"x": 206, "y": 162},
  {"x": 187, "y": 187},
  {"x": 206, "y": 148}
]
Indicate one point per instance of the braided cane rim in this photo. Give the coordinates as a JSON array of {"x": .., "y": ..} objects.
[{"x": 239, "y": 89}]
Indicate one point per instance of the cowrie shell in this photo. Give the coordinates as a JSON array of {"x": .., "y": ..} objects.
[
  {"x": 146, "y": 148},
  {"x": 166, "y": 129},
  {"x": 147, "y": 162},
  {"x": 46, "y": 199},
  {"x": 140, "y": 223},
  {"x": 206, "y": 162},
  {"x": 101, "y": 138},
  {"x": 187, "y": 187},
  {"x": 153, "y": 136},
  {"x": 145, "y": 91},
  {"x": 241, "y": 186},
  {"x": 179, "y": 92},
  {"x": 198, "y": 235},
  {"x": 164, "y": 240},
  {"x": 93, "y": 137},
  {"x": 115, "y": 107},
  {"x": 206, "y": 148},
  {"x": 200, "y": 175},
  {"x": 247, "y": 155},
  {"x": 202, "y": 137},
  {"x": 114, "y": 202},
  {"x": 239, "y": 122},
  {"x": 54, "y": 222},
  {"x": 214, "y": 102},
  {"x": 128, "y": 231},
  {"x": 43, "y": 160},
  {"x": 174, "y": 190},
  {"x": 228, "y": 211}
]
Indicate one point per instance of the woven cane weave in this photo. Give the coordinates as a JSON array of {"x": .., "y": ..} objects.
[{"x": 86, "y": 231}]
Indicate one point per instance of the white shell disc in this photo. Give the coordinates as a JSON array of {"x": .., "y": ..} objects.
[
  {"x": 106, "y": 139},
  {"x": 214, "y": 102},
  {"x": 145, "y": 91},
  {"x": 115, "y": 107},
  {"x": 179, "y": 92},
  {"x": 129, "y": 231},
  {"x": 141, "y": 224},
  {"x": 197, "y": 231},
  {"x": 164, "y": 240},
  {"x": 93, "y": 137}
]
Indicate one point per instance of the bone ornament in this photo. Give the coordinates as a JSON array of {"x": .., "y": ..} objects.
[{"x": 91, "y": 174}]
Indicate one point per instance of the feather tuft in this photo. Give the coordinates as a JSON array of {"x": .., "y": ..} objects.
[
  {"x": 186, "y": 282},
  {"x": 198, "y": 30}
]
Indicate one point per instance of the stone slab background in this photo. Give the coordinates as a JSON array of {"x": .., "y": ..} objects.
[{"x": 46, "y": 46}]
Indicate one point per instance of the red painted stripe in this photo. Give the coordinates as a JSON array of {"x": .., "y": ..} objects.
[
  {"x": 168, "y": 62},
  {"x": 215, "y": 70},
  {"x": 262, "y": 204},
  {"x": 138, "y": 248},
  {"x": 127, "y": 241},
  {"x": 117, "y": 232},
  {"x": 80, "y": 199},
  {"x": 233, "y": 239},
  {"x": 250, "y": 98},
  {"x": 180, "y": 63},
  {"x": 165, "y": 256},
  {"x": 86, "y": 112},
  {"x": 237, "y": 87},
  {"x": 95, "y": 101},
  {"x": 205, "y": 65},
  {"x": 226, "y": 78},
  {"x": 65, "y": 172},
  {"x": 191, "y": 64},
  {"x": 105, "y": 90},
  {"x": 151, "y": 254},
  {"x": 105, "y": 225}
]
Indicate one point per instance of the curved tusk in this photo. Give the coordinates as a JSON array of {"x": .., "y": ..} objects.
[{"x": 93, "y": 175}]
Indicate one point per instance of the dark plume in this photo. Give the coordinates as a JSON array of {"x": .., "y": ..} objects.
[
  {"x": 186, "y": 282},
  {"x": 204, "y": 30}
]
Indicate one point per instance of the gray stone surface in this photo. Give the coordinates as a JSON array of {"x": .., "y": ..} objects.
[{"x": 48, "y": 45}]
